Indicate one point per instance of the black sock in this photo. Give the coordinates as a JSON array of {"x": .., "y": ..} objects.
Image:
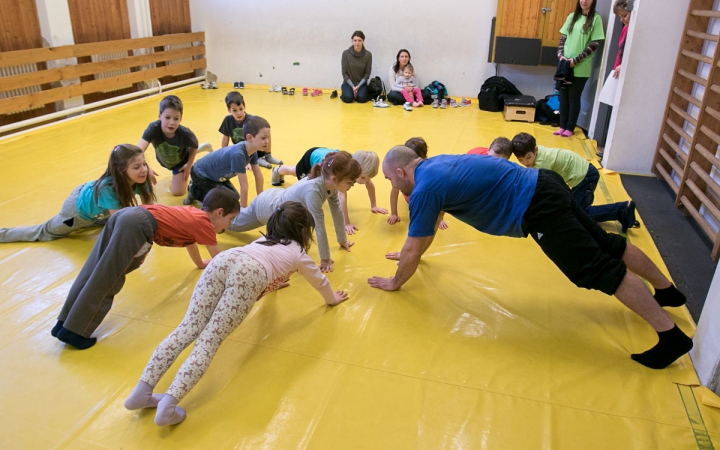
[
  {"x": 672, "y": 345},
  {"x": 669, "y": 296},
  {"x": 56, "y": 328},
  {"x": 75, "y": 340}
]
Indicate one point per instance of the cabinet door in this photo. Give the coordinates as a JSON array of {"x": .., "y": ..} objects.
[{"x": 527, "y": 32}]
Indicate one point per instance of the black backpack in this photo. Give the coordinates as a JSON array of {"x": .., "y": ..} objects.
[
  {"x": 376, "y": 88},
  {"x": 492, "y": 91}
]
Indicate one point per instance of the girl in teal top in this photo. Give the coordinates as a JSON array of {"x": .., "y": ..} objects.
[
  {"x": 90, "y": 204},
  {"x": 580, "y": 37}
]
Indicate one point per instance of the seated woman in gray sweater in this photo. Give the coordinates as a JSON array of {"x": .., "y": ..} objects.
[
  {"x": 336, "y": 173},
  {"x": 356, "y": 66}
]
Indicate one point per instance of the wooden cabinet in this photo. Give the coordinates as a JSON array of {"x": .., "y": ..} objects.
[{"x": 527, "y": 32}]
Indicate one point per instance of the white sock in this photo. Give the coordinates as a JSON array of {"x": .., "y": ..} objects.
[
  {"x": 142, "y": 397},
  {"x": 168, "y": 413}
]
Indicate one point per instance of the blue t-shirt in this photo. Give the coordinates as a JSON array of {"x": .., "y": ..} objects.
[
  {"x": 225, "y": 163},
  {"x": 107, "y": 200},
  {"x": 173, "y": 151},
  {"x": 233, "y": 129},
  {"x": 489, "y": 194},
  {"x": 319, "y": 154}
]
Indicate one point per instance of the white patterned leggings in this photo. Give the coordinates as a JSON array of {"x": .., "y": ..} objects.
[{"x": 227, "y": 290}]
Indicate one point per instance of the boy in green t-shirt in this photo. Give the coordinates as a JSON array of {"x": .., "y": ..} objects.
[{"x": 581, "y": 176}]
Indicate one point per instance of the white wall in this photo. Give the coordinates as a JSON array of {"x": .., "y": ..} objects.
[
  {"x": 650, "y": 53},
  {"x": 706, "y": 351},
  {"x": 448, "y": 41}
]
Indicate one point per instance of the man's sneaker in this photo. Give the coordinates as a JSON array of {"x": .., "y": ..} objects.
[
  {"x": 272, "y": 160},
  {"x": 453, "y": 103},
  {"x": 276, "y": 179},
  {"x": 435, "y": 103},
  {"x": 189, "y": 200},
  {"x": 205, "y": 147},
  {"x": 263, "y": 163},
  {"x": 465, "y": 102},
  {"x": 443, "y": 104},
  {"x": 407, "y": 106}
]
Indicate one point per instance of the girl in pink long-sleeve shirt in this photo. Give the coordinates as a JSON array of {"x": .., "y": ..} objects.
[{"x": 228, "y": 288}]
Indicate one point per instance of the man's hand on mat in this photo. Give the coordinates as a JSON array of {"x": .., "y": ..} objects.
[
  {"x": 386, "y": 284},
  {"x": 393, "y": 219}
]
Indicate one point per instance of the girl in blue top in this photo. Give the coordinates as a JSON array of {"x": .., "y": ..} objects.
[{"x": 90, "y": 204}]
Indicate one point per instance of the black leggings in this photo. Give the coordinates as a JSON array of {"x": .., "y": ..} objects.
[
  {"x": 348, "y": 97},
  {"x": 570, "y": 103}
]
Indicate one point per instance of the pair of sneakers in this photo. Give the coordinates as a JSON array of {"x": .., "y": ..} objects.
[
  {"x": 267, "y": 161},
  {"x": 209, "y": 85},
  {"x": 275, "y": 88},
  {"x": 239, "y": 85},
  {"x": 441, "y": 104},
  {"x": 380, "y": 103}
]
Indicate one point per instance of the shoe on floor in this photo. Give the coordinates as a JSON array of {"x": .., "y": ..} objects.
[
  {"x": 189, "y": 200},
  {"x": 379, "y": 103},
  {"x": 443, "y": 104},
  {"x": 241, "y": 85},
  {"x": 292, "y": 91},
  {"x": 334, "y": 94},
  {"x": 305, "y": 92},
  {"x": 278, "y": 88},
  {"x": 276, "y": 179},
  {"x": 407, "y": 106},
  {"x": 284, "y": 90},
  {"x": 236, "y": 85},
  {"x": 205, "y": 147},
  {"x": 465, "y": 102},
  {"x": 316, "y": 92},
  {"x": 263, "y": 163},
  {"x": 272, "y": 160},
  {"x": 435, "y": 103},
  {"x": 453, "y": 103},
  {"x": 213, "y": 85}
]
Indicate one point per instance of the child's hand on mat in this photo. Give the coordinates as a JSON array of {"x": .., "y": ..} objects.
[
  {"x": 393, "y": 219},
  {"x": 326, "y": 265},
  {"x": 443, "y": 225},
  {"x": 350, "y": 228},
  {"x": 346, "y": 245},
  {"x": 340, "y": 296},
  {"x": 378, "y": 210},
  {"x": 395, "y": 256}
]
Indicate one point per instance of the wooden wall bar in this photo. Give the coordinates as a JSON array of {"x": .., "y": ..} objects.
[{"x": 195, "y": 53}]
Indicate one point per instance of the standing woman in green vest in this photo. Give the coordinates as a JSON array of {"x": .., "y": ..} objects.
[{"x": 580, "y": 37}]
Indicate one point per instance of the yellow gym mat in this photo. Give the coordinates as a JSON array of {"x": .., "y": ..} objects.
[{"x": 488, "y": 346}]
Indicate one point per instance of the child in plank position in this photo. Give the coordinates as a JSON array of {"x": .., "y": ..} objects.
[
  {"x": 231, "y": 128},
  {"x": 175, "y": 145},
  {"x": 580, "y": 175},
  {"x": 218, "y": 167},
  {"x": 419, "y": 146},
  {"x": 336, "y": 173},
  {"x": 122, "y": 248},
  {"x": 225, "y": 294},
  {"x": 369, "y": 163},
  {"x": 90, "y": 204}
]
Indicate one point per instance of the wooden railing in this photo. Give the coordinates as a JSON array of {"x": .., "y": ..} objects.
[{"x": 143, "y": 61}]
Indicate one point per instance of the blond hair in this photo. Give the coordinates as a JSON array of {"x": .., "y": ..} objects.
[{"x": 369, "y": 162}]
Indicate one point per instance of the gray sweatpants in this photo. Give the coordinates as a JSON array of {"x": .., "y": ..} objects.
[
  {"x": 60, "y": 226},
  {"x": 258, "y": 211},
  {"x": 120, "y": 249}
]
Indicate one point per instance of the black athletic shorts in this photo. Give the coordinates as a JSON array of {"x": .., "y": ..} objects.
[
  {"x": 588, "y": 255},
  {"x": 303, "y": 167}
]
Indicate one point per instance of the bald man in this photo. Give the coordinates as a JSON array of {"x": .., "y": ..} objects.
[{"x": 501, "y": 198}]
